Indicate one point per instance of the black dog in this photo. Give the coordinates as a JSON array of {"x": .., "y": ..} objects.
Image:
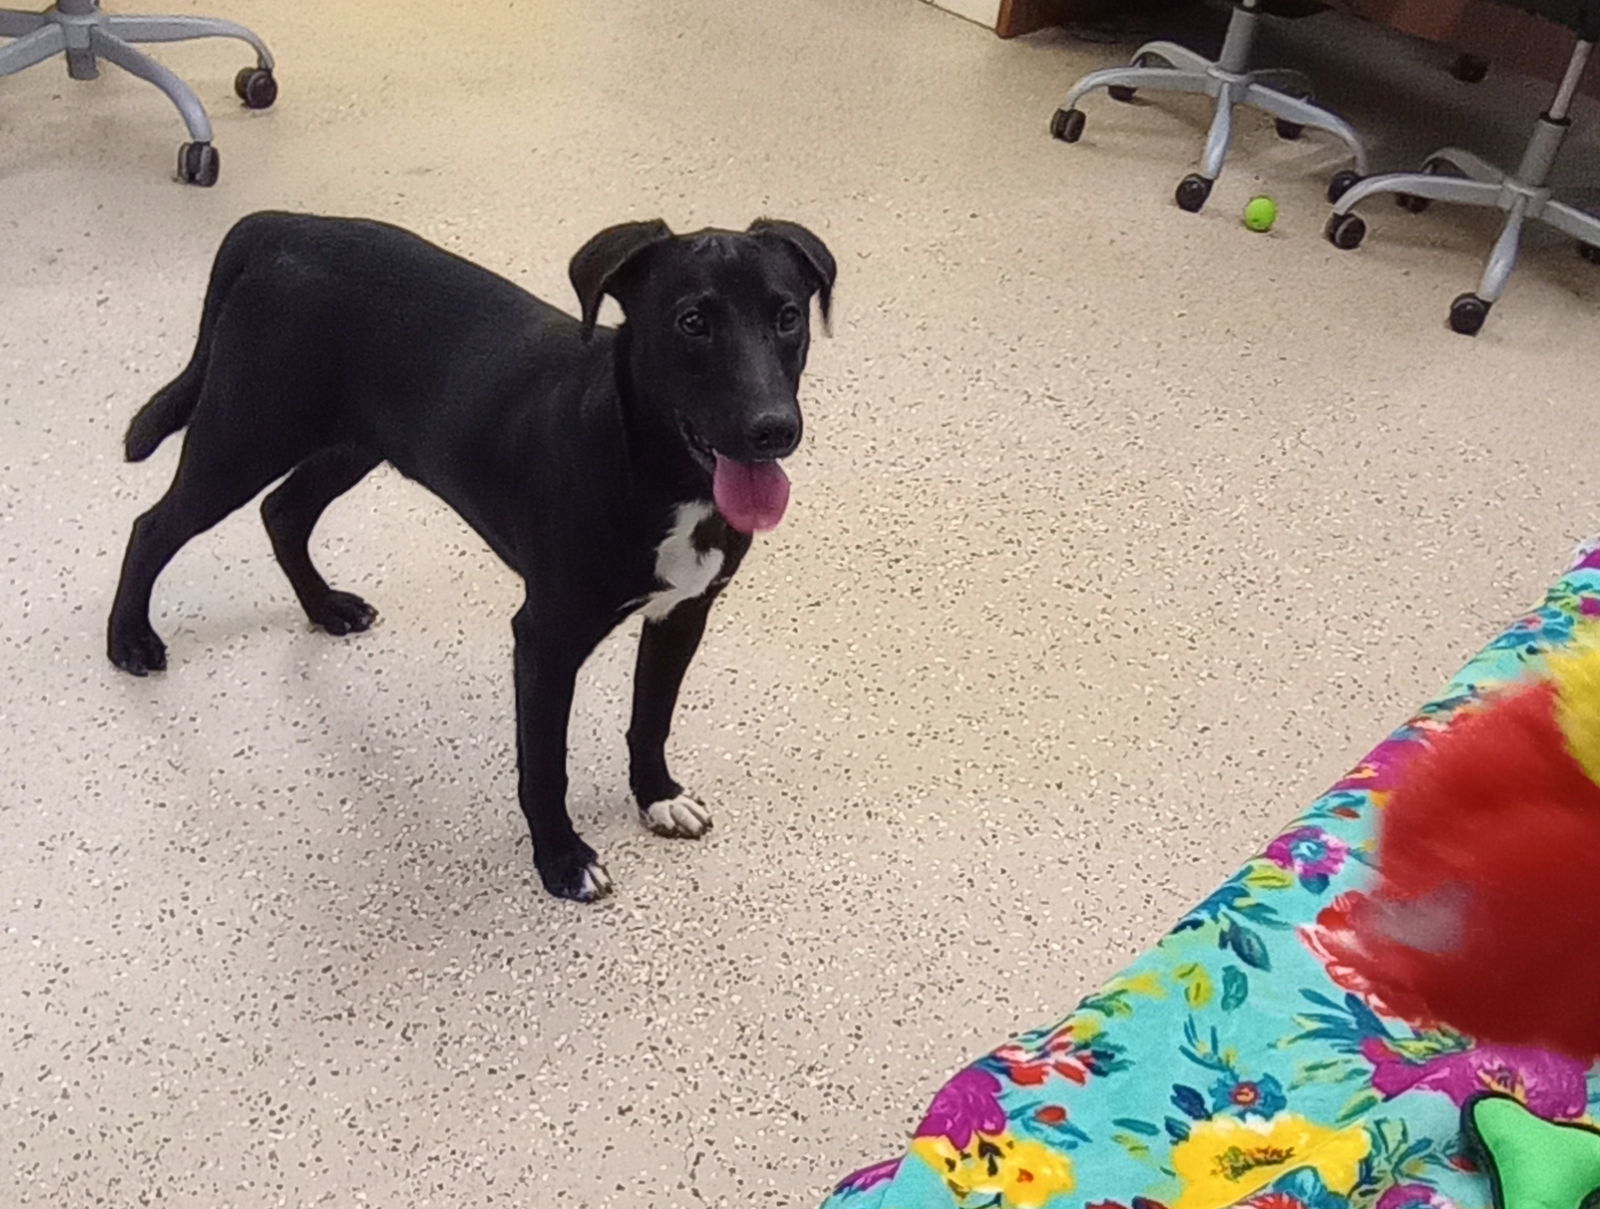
[{"x": 614, "y": 470}]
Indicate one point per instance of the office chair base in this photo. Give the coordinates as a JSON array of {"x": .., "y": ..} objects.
[
  {"x": 1282, "y": 94},
  {"x": 1454, "y": 175},
  {"x": 82, "y": 33}
]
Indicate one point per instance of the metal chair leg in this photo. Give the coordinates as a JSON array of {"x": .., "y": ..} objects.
[
  {"x": 1288, "y": 80},
  {"x": 1433, "y": 186},
  {"x": 43, "y": 43},
  {"x": 1469, "y": 165},
  {"x": 1310, "y": 115},
  {"x": 1179, "y": 57},
  {"x": 1152, "y": 79},
  {"x": 1571, "y": 221},
  {"x": 14, "y": 24},
  {"x": 1220, "y": 135},
  {"x": 184, "y": 29},
  {"x": 134, "y": 62},
  {"x": 1503, "y": 256}
]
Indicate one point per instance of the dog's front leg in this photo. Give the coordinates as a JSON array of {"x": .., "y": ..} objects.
[
  {"x": 666, "y": 648},
  {"x": 548, "y": 657}
]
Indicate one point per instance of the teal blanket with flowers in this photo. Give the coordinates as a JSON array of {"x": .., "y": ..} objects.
[{"x": 1235, "y": 1064}]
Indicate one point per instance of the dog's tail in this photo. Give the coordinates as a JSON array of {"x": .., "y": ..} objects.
[{"x": 171, "y": 407}]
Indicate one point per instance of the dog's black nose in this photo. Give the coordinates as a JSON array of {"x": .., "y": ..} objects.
[{"x": 774, "y": 435}]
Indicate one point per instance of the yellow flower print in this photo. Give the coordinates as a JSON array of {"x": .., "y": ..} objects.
[
  {"x": 1024, "y": 1174},
  {"x": 1085, "y": 1029},
  {"x": 1147, "y": 984},
  {"x": 1227, "y": 1159}
]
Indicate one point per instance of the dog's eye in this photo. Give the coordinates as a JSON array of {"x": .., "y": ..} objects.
[
  {"x": 693, "y": 323},
  {"x": 789, "y": 318}
]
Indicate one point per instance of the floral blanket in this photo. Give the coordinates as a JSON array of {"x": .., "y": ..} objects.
[{"x": 1234, "y": 1064}]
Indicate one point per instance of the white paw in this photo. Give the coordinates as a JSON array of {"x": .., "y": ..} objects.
[
  {"x": 595, "y": 884},
  {"x": 680, "y": 818}
]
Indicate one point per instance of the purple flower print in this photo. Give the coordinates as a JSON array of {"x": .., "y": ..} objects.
[
  {"x": 878, "y": 1173},
  {"x": 1553, "y": 1087},
  {"x": 968, "y": 1104},
  {"x": 1587, "y": 556},
  {"x": 1380, "y": 771},
  {"x": 1412, "y": 1196},
  {"x": 1311, "y": 854}
]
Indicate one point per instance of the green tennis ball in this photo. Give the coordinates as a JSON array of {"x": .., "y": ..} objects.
[{"x": 1260, "y": 213}]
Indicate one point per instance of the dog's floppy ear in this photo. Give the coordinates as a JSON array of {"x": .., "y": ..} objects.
[
  {"x": 595, "y": 268},
  {"x": 812, "y": 252}
]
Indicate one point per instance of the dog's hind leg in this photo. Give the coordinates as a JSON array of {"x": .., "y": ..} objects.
[
  {"x": 221, "y": 469},
  {"x": 291, "y": 513}
]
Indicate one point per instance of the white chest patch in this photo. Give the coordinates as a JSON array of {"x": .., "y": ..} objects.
[{"x": 685, "y": 571}]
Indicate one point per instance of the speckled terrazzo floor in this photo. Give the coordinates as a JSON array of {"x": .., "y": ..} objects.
[{"x": 1119, "y": 532}]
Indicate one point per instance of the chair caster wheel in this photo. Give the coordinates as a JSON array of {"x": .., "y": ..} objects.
[
  {"x": 1192, "y": 192},
  {"x": 1067, "y": 125},
  {"x": 1589, "y": 252},
  {"x": 1288, "y": 131},
  {"x": 1125, "y": 94},
  {"x": 1467, "y": 314},
  {"x": 1341, "y": 184},
  {"x": 1345, "y": 231},
  {"x": 1433, "y": 167},
  {"x": 198, "y": 164},
  {"x": 257, "y": 87}
]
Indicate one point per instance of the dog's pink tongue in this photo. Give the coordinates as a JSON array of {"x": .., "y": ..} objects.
[{"x": 751, "y": 496}]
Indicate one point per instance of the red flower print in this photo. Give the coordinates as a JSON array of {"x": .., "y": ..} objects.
[
  {"x": 1329, "y": 939},
  {"x": 1031, "y": 1067}
]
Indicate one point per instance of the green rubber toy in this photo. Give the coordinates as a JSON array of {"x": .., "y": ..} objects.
[
  {"x": 1260, "y": 213},
  {"x": 1532, "y": 1163}
]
